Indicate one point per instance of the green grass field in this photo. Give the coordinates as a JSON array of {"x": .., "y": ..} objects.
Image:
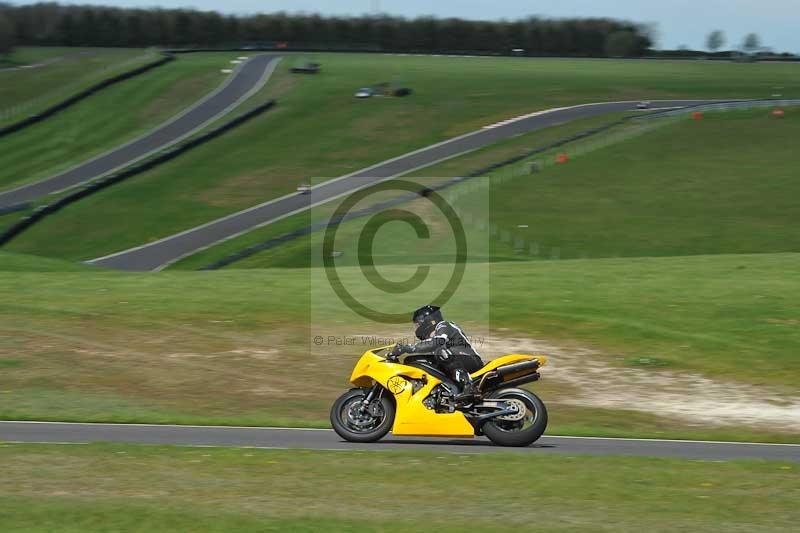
[
  {"x": 157, "y": 488},
  {"x": 319, "y": 130},
  {"x": 462, "y": 165},
  {"x": 672, "y": 311},
  {"x": 723, "y": 185},
  {"x": 63, "y": 72},
  {"x": 109, "y": 118},
  {"x": 211, "y": 347},
  {"x": 686, "y": 231}
]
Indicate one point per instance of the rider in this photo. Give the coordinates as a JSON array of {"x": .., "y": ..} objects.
[{"x": 451, "y": 348}]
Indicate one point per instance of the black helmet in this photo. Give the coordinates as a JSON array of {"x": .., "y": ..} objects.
[{"x": 426, "y": 318}]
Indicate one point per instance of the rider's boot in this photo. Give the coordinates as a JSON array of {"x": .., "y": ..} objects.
[{"x": 467, "y": 393}]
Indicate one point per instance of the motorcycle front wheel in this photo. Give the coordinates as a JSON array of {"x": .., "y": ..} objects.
[
  {"x": 355, "y": 422},
  {"x": 521, "y": 429}
]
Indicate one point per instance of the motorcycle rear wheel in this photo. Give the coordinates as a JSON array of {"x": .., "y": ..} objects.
[
  {"x": 353, "y": 425},
  {"x": 522, "y": 432}
]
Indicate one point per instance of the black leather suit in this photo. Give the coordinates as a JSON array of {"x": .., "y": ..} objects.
[{"x": 454, "y": 353}]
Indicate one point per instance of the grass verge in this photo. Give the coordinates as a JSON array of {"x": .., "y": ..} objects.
[{"x": 154, "y": 488}]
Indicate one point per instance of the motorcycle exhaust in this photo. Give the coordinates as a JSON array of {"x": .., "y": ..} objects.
[
  {"x": 521, "y": 381},
  {"x": 514, "y": 371},
  {"x": 509, "y": 376}
]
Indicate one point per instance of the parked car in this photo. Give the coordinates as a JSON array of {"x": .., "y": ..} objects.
[{"x": 306, "y": 68}]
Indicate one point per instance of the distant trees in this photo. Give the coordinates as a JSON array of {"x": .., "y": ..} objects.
[
  {"x": 751, "y": 43},
  {"x": 715, "y": 40},
  {"x": 623, "y": 44},
  {"x": 7, "y": 37},
  {"x": 54, "y": 24}
]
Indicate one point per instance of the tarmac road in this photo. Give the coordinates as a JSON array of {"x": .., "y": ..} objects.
[
  {"x": 247, "y": 79},
  {"x": 158, "y": 254},
  {"x": 325, "y": 439}
]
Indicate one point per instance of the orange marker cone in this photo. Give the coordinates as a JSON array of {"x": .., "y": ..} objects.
[
  {"x": 697, "y": 115},
  {"x": 562, "y": 157},
  {"x": 777, "y": 113}
]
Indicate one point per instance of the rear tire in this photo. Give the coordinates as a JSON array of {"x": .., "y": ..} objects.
[
  {"x": 355, "y": 426},
  {"x": 518, "y": 433}
]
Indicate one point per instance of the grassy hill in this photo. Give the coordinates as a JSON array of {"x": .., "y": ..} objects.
[
  {"x": 10, "y": 262},
  {"x": 319, "y": 130},
  {"x": 51, "y": 74},
  {"x": 725, "y": 184},
  {"x": 109, "y": 118}
]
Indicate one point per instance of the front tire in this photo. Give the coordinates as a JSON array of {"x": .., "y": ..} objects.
[
  {"x": 521, "y": 432},
  {"x": 356, "y": 424}
]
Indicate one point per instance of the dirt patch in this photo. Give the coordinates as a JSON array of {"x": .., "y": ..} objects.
[
  {"x": 689, "y": 397},
  {"x": 214, "y": 368},
  {"x": 252, "y": 188}
]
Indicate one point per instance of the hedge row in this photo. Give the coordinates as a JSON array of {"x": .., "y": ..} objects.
[
  {"x": 82, "y": 95},
  {"x": 117, "y": 177}
]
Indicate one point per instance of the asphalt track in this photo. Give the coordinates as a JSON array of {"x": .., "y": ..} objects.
[
  {"x": 158, "y": 254},
  {"x": 248, "y": 78},
  {"x": 325, "y": 439}
]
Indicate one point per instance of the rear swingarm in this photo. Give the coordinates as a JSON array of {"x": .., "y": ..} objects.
[{"x": 501, "y": 410}]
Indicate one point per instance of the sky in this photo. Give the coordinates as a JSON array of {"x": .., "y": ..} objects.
[{"x": 678, "y": 22}]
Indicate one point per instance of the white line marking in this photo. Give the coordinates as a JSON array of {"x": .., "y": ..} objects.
[
  {"x": 688, "y": 441},
  {"x": 100, "y": 424}
]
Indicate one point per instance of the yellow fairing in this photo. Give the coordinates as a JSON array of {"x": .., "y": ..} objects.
[
  {"x": 507, "y": 360},
  {"x": 412, "y": 417}
]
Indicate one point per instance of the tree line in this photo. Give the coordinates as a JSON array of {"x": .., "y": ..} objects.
[{"x": 52, "y": 24}]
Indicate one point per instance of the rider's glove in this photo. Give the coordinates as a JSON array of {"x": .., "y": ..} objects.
[{"x": 398, "y": 350}]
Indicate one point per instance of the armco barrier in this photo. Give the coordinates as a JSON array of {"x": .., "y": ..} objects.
[
  {"x": 82, "y": 95},
  {"x": 276, "y": 241},
  {"x": 98, "y": 185}
]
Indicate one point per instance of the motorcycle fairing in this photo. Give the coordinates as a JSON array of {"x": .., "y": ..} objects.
[{"x": 412, "y": 417}]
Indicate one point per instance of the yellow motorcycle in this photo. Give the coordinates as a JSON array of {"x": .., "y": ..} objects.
[{"x": 415, "y": 398}]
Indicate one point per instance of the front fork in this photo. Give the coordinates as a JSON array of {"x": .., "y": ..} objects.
[{"x": 375, "y": 390}]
